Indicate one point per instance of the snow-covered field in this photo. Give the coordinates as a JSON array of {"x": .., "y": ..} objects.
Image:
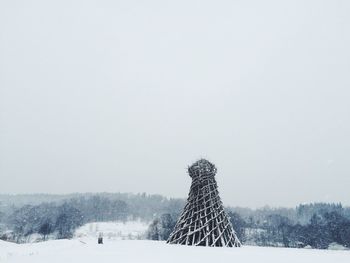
[
  {"x": 113, "y": 230},
  {"x": 87, "y": 250},
  {"x": 118, "y": 247}
]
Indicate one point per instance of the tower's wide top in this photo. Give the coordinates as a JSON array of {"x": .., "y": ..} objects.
[{"x": 202, "y": 167}]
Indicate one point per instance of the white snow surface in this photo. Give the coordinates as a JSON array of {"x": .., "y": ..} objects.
[
  {"x": 87, "y": 250},
  {"x": 121, "y": 245},
  {"x": 114, "y": 230}
]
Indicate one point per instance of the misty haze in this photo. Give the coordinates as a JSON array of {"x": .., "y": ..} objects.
[{"x": 113, "y": 113}]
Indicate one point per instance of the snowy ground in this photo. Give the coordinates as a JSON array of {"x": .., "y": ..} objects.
[
  {"x": 113, "y": 230},
  {"x": 87, "y": 250},
  {"x": 116, "y": 248}
]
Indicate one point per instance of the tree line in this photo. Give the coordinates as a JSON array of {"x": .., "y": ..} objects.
[
  {"x": 59, "y": 218},
  {"x": 317, "y": 225}
]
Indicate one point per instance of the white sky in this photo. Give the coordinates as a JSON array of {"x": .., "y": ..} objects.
[{"x": 123, "y": 95}]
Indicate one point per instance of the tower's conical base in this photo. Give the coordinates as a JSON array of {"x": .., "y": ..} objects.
[{"x": 204, "y": 221}]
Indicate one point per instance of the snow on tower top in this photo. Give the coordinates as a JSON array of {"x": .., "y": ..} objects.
[{"x": 202, "y": 168}]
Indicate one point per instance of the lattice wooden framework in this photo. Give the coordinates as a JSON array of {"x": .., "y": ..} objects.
[{"x": 204, "y": 221}]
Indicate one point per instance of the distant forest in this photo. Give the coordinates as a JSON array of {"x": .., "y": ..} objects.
[{"x": 318, "y": 225}]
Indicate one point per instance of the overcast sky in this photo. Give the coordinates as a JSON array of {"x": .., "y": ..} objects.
[{"x": 124, "y": 95}]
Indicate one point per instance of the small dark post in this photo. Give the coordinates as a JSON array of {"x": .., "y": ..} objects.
[{"x": 100, "y": 239}]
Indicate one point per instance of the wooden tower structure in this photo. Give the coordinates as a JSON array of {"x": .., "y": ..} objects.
[{"x": 204, "y": 221}]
